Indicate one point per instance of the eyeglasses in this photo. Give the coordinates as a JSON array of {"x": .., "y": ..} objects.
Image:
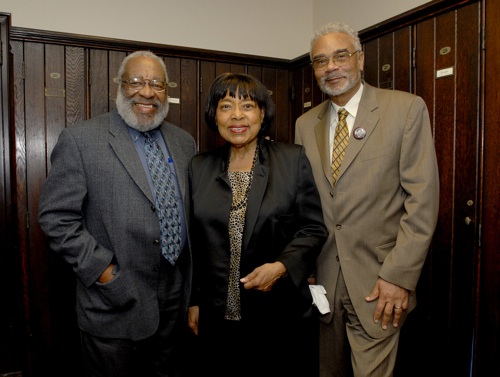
[
  {"x": 340, "y": 59},
  {"x": 137, "y": 83}
]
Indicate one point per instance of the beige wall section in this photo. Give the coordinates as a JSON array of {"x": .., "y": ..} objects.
[
  {"x": 360, "y": 14},
  {"x": 271, "y": 28}
]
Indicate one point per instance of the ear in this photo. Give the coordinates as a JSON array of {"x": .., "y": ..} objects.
[
  {"x": 262, "y": 113},
  {"x": 361, "y": 60}
]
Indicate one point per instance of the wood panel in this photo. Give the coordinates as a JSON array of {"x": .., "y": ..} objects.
[
  {"x": 488, "y": 339},
  {"x": 388, "y": 60},
  {"x": 12, "y": 331},
  {"x": 447, "y": 284},
  {"x": 189, "y": 82},
  {"x": 76, "y": 87},
  {"x": 98, "y": 82}
]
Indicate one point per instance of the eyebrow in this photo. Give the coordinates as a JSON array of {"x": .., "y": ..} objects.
[{"x": 334, "y": 53}]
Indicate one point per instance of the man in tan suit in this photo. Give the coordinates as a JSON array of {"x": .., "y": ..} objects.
[{"x": 380, "y": 209}]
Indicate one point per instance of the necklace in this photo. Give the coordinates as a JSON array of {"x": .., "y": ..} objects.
[{"x": 237, "y": 178}]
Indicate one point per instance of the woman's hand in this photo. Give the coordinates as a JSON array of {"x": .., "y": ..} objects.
[
  {"x": 193, "y": 316},
  {"x": 264, "y": 277}
]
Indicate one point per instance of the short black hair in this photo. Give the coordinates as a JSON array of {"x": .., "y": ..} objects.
[{"x": 246, "y": 86}]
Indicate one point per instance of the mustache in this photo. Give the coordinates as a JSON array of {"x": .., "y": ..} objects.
[
  {"x": 333, "y": 76},
  {"x": 145, "y": 101}
]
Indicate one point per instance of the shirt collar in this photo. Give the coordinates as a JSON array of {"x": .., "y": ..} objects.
[{"x": 352, "y": 105}]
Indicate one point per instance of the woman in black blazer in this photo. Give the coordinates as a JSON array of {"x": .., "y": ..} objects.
[{"x": 257, "y": 228}]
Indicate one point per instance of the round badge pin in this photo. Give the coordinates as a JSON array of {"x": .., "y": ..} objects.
[{"x": 359, "y": 133}]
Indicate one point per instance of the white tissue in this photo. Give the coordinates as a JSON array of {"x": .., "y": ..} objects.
[{"x": 318, "y": 293}]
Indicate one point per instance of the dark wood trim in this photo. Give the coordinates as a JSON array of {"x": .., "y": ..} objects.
[
  {"x": 411, "y": 17},
  {"x": 78, "y": 40}
]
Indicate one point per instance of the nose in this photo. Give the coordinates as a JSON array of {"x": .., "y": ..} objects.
[
  {"x": 146, "y": 91},
  {"x": 237, "y": 113}
]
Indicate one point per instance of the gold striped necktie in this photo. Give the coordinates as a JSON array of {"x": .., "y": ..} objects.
[{"x": 339, "y": 143}]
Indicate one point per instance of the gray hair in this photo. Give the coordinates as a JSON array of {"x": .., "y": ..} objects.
[
  {"x": 337, "y": 27},
  {"x": 147, "y": 54}
]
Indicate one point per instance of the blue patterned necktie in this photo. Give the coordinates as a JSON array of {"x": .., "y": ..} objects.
[{"x": 166, "y": 201}]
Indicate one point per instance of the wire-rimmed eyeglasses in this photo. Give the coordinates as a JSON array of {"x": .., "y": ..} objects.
[
  {"x": 137, "y": 83},
  {"x": 339, "y": 59}
]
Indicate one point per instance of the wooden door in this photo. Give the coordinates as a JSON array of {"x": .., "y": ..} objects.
[
  {"x": 12, "y": 339},
  {"x": 439, "y": 60}
]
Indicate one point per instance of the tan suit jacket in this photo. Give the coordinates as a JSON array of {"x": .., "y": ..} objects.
[{"x": 382, "y": 213}]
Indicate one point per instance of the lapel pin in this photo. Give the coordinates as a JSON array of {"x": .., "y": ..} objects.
[{"x": 359, "y": 133}]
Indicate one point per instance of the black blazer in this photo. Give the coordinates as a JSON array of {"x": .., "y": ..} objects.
[{"x": 284, "y": 222}]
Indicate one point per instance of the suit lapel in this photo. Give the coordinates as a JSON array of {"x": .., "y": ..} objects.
[
  {"x": 122, "y": 144},
  {"x": 257, "y": 191},
  {"x": 322, "y": 132},
  {"x": 367, "y": 119}
]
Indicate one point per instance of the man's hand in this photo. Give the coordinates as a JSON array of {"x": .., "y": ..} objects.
[
  {"x": 107, "y": 275},
  {"x": 391, "y": 298}
]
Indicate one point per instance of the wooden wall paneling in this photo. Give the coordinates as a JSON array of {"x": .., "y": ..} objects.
[
  {"x": 284, "y": 125},
  {"x": 425, "y": 331},
  {"x": 32, "y": 164},
  {"x": 371, "y": 65},
  {"x": 255, "y": 71},
  {"x": 55, "y": 95},
  {"x": 447, "y": 283},
  {"x": 308, "y": 100},
  {"x": 488, "y": 336},
  {"x": 221, "y": 68},
  {"x": 296, "y": 83},
  {"x": 60, "y": 298},
  {"x": 238, "y": 68},
  {"x": 174, "y": 89},
  {"x": 467, "y": 53},
  {"x": 386, "y": 61},
  {"x": 270, "y": 82},
  {"x": 206, "y": 137},
  {"x": 402, "y": 62},
  {"x": 12, "y": 338},
  {"x": 189, "y": 93},
  {"x": 305, "y": 92},
  {"x": 433, "y": 316},
  {"x": 18, "y": 143},
  {"x": 115, "y": 59},
  {"x": 98, "y": 82},
  {"x": 76, "y": 86}
]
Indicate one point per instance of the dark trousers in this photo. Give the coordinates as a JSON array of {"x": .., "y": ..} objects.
[{"x": 232, "y": 348}]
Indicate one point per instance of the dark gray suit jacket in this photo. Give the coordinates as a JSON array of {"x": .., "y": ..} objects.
[{"x": 96, "y": 206}]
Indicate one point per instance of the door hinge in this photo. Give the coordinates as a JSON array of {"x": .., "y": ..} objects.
[{"x": 413, "y": 53}]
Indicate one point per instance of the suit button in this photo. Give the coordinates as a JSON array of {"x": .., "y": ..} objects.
[
  {"x": 153, "y": 208},
  {"x": 337, "y": 258},
  {"x": 156, "y": 242},
  {"x": 332, "y": 194},
  {"x": 338, "y": 226}
]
